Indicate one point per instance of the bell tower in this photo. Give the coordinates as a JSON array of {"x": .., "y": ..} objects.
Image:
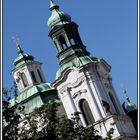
[
  {"x": 65, "y": 36},
  {"x": 83, "y": 81},
  {"x": 27, "y": 72},
  {"x": 31, "y": 83}
]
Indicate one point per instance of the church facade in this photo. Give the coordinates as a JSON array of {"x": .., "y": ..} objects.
[{"x": 83, "y": 82}]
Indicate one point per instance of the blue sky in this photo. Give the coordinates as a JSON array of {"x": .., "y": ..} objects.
[{"x": 107, "y": 27}]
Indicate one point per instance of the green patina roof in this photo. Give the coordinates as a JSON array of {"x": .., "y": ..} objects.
[
  {"x": 54, "y": 101},
  {"x": 30, "y": 92},
  {"x": 130, "y": 107},
  {"x": 22, "y": 58},
  {"x": 58, "y": 17},
  {"x": 76, "y": 62}
]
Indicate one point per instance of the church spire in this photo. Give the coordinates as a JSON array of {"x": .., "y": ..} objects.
[
  {"x": 125, "y": 94},
  {"x": 53, "y": 5},
  {"x": 69, "y": 46},
  {"x": 130, "y": 106},
  {"x": 27, "y": 71}
]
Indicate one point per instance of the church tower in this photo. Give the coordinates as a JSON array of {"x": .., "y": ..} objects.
[
  {"x": 27, "y": 71},
  {"x": 83, "y": 81},
  {"x": 31, "y": 83}
]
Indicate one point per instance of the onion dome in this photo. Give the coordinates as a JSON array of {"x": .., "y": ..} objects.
[{"x": 58, "y": 17}]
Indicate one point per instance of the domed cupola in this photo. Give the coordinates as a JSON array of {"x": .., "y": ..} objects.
[
  {"x": 130, "y": 106},
  {"x": 22, "y": 58},
  {"x": 71, "y": 51},
  {"x": 34, "y": 91},
  {"x": 131, "y": 110},
  {"x": 58, "y": 17},
  {"x": 27, "y": 71}
]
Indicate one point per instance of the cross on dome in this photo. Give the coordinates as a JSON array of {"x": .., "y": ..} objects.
[{"x": 16, "y": 41}]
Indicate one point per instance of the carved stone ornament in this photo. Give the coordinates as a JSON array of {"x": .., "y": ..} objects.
[
  {"x": 79, "y": 81},
  {"x": 19, "y": 74},
  {"x": 17, "y": 79},
  {"x": 79, "y": 93},
  {"x": 69, "y": 86},
  {"x": 75, "y": 95}
]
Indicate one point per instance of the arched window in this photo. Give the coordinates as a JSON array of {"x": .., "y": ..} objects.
[
  {"x": 62, "y": 42},
  {"x": 114, "y": 103},
  {"x": 41, "y": 79},
  {"x": 57, "y": 46},
  {"x": 86, "y": 112},
  {"x": 72, "y": 41},
  {"x": 71, "y": 38},
  {"x": 33, "y": 76},
  {"x": 24, "y": 80}
]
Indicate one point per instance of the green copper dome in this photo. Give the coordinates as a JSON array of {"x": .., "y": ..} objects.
[
  {"x": 22, "y": 58},
  {"x": 58, "y": 17},
  {"x": 130, "y": 107},
  {"x": 77, "y": 62}
]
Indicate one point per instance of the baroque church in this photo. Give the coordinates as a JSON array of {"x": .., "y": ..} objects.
[{"x": 83, "y": 83}]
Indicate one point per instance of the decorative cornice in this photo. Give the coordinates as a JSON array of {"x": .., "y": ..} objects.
[
  {"x": 79, "y": 93},
  {"x": 68, "y": 86}
]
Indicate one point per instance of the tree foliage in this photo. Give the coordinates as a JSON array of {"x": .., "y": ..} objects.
[
  {"x": 10, "y": 122},
  {"x": 43, "y": 123}
]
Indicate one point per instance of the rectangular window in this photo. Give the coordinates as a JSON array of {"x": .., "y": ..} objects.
[
  {"x": 41, "y": 79},
  {"x": 33, "y": 76},
  {"x": 24, "y": 80}
]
